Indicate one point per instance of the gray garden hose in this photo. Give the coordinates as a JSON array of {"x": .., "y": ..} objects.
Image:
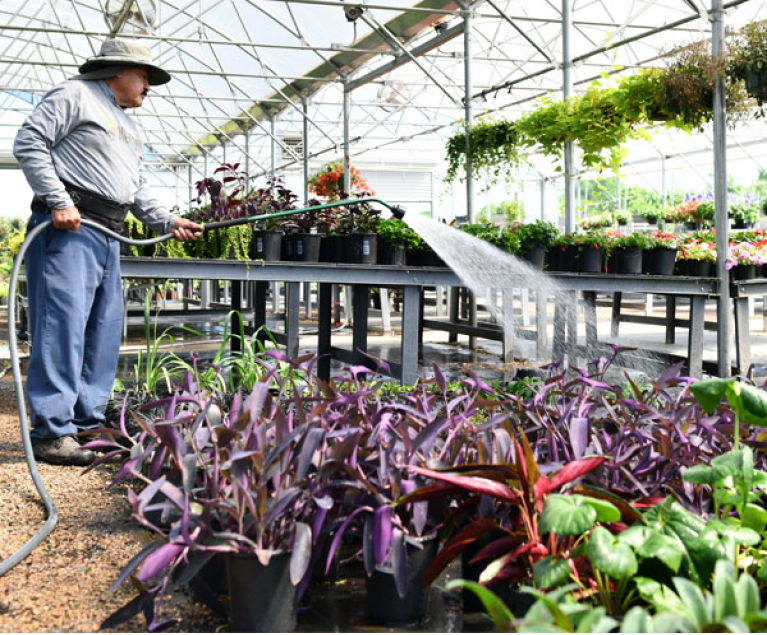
[{"x": 52, "y": 514}]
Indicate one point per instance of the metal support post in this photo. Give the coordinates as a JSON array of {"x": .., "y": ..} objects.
[
  {"x": 273, "y": 165},
  {"x": 305, "y": 148},
  {"x": 347, "y": 158},
  {"x": 720, "y": 195},
  {"x": 468, "y": 88},
  {"x": 567, "y": 89},
  {"x": 247, "y": 159}
]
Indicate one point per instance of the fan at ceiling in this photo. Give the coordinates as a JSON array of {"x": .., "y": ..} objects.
[{"x": 140, "y": 19}]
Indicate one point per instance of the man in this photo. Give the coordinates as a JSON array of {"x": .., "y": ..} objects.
[{"x": 81, "y": 155}]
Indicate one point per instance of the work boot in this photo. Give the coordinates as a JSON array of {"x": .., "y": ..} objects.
[{"x": 62, "y": 451}]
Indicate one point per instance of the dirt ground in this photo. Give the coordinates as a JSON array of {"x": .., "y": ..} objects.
[{"x": 63, "y": 585}]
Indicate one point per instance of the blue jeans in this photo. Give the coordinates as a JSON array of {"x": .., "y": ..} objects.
[{"x": 75, "y": 316}]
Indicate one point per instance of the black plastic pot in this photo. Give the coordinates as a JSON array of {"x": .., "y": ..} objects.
[
  {"x": 552, "y": 258},
  {"x": 288, "y": 249},
  {"x": 629, "y": 261},
  {"x": 743, "y": 272},
  {"x": 756, "y": 82},
  {"x": 431, "y": 259},
  {"x": 391, "y": 256},
  {"x": 591, "y": 260},
  {"x": 699, "y": 268},
  {"x": 535, "y": 257},
  {"x": 266, "y": 245},
  {"x": 331, "y": 249},
  {"x": 567, "y": 259},
  {"x": 307, "y": 247},
  {"x": 662, "y": 261},
  {"x": 261, "y": 599},
  {"x": 361, "y": 248},
  {"x": 384, "y": 603},
  {"x": 741, "y": 224}
]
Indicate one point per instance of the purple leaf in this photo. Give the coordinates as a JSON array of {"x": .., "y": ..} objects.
[
  {"x": 158, "y": 560},
  {"x": 579, "y": 430},
  {"x": 399, "y": 562},
  {"x": 382, "y": 532},
  {"x": 302, "y": 552}
]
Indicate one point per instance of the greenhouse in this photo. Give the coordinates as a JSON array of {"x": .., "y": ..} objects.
[{"x": 421, "y": 315}]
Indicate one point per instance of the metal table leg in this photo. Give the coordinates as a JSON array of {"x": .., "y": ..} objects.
[
  {"x": 409, "y": 346},
  {"x": 590, "y": 317},
  {"x": 742, "y": 333},
  {"x": 324, "y": 317},
  {"x": 259, "y": 307},
  {"x": 616, "y": 321},
  {"x": 360, "y": 327},
  {"x": 236, "y": 344},
  {"x": 670, "y": 319},
  {"x": 695, "y": 339},
  {"x": 292, "y": 310}
]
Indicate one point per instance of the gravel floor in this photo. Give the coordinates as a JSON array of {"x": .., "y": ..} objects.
[{"x": 63, "y": 586}]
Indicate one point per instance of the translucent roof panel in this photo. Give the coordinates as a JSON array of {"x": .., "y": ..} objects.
[{"x": 243, "y": 70}]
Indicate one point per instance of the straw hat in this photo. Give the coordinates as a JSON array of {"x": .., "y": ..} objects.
[{"x": 117, "y": 55}]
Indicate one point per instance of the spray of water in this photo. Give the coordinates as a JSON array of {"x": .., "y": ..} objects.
[{"x": 483, "y": 267}]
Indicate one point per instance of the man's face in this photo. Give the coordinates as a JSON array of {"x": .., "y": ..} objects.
[{"x": 130, "y": 87}]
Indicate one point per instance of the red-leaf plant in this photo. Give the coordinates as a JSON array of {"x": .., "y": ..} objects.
[{"x": 517, "y": 492}]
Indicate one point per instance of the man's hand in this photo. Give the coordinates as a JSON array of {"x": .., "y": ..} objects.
[
  {"x": 184, "y": 229},
  {"x": 67, "y": 218}
]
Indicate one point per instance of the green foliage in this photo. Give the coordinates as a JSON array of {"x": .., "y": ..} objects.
[
  {"x": 748, "y": 402},
  {"x": 11, "y": 237},
  {"x": 397, "y": 233},
  {"x": 537, "y": 233},
  {"x": 732, "y": 605},
  {"x": 512, "y": 211},
  {"x": 498, "y": 236},
  {"x": 492, "y": 147}
]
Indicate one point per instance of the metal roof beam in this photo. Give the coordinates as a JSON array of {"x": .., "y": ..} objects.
[{"x": 401, "y": 60}]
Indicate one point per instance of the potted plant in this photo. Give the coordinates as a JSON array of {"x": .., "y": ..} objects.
[
  {"x": 395, "y": 240},
  {"x": 622, "y": 217},
  {"x": 743, "y": 212},
  {"x": 590, "y": 252},
  {"x": 629, "y": 253},
  {"x": 250, "y": 481},
  {"x": 561, "y": 254},
  {"x": 660, "y": 253},
  {"x": 688, "y": 86},
  {"x": 600, "y": 221},
  {"x": 534, "y": 240},
  {"x": 268, "y": 233},
  {"x": 743, "y": 259},
  {"x": 494, "y": 148},
  {"x": 328, "y": 181},
  {"x": 358, "y": 225},
  {"x": 748, "y": 59}
]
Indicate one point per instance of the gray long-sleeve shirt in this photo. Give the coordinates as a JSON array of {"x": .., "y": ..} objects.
[{"x": 79, "y": 134}]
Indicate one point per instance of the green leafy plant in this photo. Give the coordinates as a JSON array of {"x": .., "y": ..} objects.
[
  {"x": 621, "y": 216},
  {"x": 748, "y": 403},
  {"x": 397, "y": 233},
  {"x": 493, "y": 148},
  {"x": 732, "y": 605},
  {"x": 495, "y": 235},
  {"x": 536, "y": 234},
  {"x": 748, "y": 58}
]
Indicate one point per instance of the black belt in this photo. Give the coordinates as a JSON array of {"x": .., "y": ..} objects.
[{"x": 93, "y": 206}]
